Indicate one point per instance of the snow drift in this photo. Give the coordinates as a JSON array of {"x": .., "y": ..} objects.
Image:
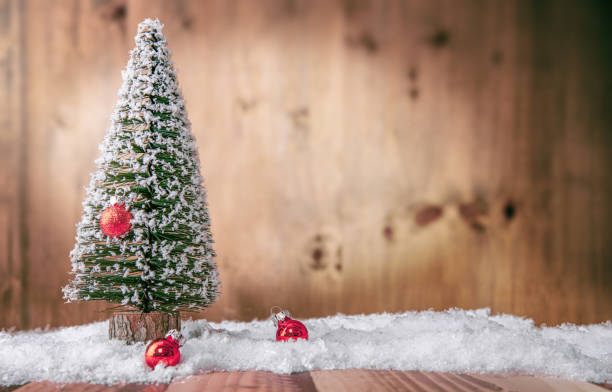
[{"x": 451, "y": 341}]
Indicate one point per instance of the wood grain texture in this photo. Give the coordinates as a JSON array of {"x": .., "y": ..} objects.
[
  {"x": 141, "y": 327},
  {"x": 13, "y": 297},
  {"x": 336, "y": 381},
  {"x": 360, "y": 156},
  {"x": 245, "y": 381}
]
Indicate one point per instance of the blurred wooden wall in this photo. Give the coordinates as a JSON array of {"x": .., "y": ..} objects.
[{"x": 360, "y": 156}]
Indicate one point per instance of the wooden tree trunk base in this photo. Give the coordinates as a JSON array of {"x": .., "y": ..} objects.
[{"x": 141, "y": 327}]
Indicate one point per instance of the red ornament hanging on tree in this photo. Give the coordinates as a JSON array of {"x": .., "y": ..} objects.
[
  {"x": 287, "y": 328},
  {"x": 115, "y": 220},
  {"x": 164, "y": 350}
]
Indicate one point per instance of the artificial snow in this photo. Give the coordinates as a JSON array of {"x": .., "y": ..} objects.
[{"x": 451, "y": 341}]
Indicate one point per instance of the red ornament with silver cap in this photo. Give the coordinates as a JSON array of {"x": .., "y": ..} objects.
[
  {"x": 287, "y": 328},
  {"x": 115, "y": 219},
  {"x": 165, "y": 350}
]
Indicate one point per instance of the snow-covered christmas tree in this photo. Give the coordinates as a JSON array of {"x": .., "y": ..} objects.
[{"x": 144, "y": 240}]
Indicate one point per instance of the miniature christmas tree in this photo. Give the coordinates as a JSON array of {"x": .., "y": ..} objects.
[{"x": 144, "y": 240}]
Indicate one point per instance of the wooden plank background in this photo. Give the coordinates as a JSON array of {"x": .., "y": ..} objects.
[{"x": 360, "y": 156}]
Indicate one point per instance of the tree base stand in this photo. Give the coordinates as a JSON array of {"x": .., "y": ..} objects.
[{"x": 141, "y": 327}]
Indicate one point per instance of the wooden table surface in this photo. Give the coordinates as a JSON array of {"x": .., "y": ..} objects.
[{"x": 332, "y": 380}]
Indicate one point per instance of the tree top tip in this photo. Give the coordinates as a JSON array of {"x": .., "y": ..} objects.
[{"x": 152, "y": 25}]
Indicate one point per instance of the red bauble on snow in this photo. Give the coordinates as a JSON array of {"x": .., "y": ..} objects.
[
  {"x": 115, "y": 220},
  {"x": 164, "y": 350},
  {"x": 288, "y": 328}
]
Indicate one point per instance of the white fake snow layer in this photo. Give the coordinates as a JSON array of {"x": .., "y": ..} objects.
[{"x": 450, "y": 341}]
